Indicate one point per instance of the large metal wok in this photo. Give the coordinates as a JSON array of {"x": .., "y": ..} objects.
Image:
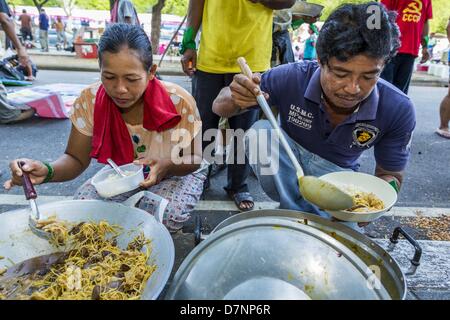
[
  {"x": 18, "y": 243},
  {"x": 284, "y": 254}
]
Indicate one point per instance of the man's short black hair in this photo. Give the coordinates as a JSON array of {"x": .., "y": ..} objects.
[{"x": 354, "y": 29}]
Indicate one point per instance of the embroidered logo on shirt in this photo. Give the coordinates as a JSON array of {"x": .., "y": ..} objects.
[
  {"x": 364, "y": 134},
  {"x": 300, "y": 117}
]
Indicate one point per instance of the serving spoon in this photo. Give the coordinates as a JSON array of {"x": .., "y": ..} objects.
[{"x": 322, "y": 193}]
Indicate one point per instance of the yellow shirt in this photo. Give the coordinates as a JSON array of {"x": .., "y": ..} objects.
[{"x": 231, "y": 29}]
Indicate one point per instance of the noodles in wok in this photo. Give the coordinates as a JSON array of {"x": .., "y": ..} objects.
[{"x": 93, "y": 266}]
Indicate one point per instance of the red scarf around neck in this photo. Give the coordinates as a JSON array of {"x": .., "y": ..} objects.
[{"x": 111, "y": 138}]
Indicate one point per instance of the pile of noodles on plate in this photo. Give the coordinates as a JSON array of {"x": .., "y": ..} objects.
[{"x": 366, "y": 202}]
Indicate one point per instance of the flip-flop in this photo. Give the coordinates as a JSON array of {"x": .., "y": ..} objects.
[
  {"x": 443, "y": 133},
  {"x": 239, "y": 198}
]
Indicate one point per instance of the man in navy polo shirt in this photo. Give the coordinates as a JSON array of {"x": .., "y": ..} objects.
[{"x": 331, "y": 110}]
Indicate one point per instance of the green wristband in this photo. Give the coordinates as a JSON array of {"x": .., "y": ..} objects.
[
  {"x": 188, "y": 40},
  {"x": 297, "y": 23},
  {"x": 314, "y": 28},
  {"x": 50, "y": 172},
  {"x": 394, "y": 185}
]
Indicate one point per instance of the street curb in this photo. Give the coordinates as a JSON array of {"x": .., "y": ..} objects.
[{"x": 70, "y": 63}]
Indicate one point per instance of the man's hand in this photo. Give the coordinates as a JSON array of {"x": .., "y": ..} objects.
[
  {"x": 24, "y": 60},
  {"x": 189, "y": 62},
  {"x": 244, "y": 91},
  {"x": 425, "y": 55},
  {"x": 159, "y": 169}
]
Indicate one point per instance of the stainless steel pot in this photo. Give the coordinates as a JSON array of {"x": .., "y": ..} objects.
[
  {"x": 284, "y": 254},
  {"x": 18, "y": 243}
]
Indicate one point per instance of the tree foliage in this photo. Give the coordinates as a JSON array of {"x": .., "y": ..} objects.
[{"x": 177, "y": 7}]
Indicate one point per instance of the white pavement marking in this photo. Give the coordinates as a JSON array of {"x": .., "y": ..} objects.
[{"x": 218, "y": 205}]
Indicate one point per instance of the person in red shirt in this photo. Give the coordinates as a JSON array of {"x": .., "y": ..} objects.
[{"x": 413, "y": 20}]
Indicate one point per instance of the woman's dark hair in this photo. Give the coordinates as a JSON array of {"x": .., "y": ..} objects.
[
  {"x": 354, "y": 29},
  {"x": 122, "y": 35}
]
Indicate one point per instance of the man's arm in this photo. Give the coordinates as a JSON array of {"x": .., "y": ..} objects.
[
  {"x": 8, "y": 26},
  {"x": 425, "y": 32},
  {"x": 195, "y": 13},
  {"x": 188, "y": 46},
  {"x": 224, "y": 105},
  {"x": 275, "y": 4},
  {"x": 424, "y": 42}
]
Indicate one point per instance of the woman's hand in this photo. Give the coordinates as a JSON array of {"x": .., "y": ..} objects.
[
  {"x": 36, "y": 169},
  {"x": 244, "y": 91},
  {"x": 159, "y": 169}
]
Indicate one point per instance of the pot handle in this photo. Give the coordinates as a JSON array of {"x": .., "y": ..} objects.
[
  {"x": 415, "y": 261},
  {"x": 134, "y": 200}
]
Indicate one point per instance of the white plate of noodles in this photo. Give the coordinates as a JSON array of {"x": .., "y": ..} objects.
[{"x": 372, "y": 196}]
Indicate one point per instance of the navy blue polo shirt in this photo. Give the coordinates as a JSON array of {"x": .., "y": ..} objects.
[{"x": 385, "y": 120}]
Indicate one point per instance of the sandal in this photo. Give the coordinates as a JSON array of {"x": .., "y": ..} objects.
[
  {"x": 239, "y": 198},
  {"x": 443, "y": 133}
]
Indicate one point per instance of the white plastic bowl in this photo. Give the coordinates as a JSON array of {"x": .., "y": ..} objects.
[
  {"x": 367, "y": 183},
  {"x": 109, "y": 184}
]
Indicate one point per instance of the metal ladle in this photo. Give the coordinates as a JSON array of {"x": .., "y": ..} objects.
[
  {"x": 31, "y": 195},
  {"x": 323, "y": 194},
  {"x": 116, "y": 167}
]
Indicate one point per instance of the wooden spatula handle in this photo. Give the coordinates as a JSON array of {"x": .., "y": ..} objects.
[
  {"x": 28, "y": 188},
  {"x": 244, "y": 67}
]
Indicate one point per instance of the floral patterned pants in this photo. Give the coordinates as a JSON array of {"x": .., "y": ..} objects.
[{"x": 183, "y": 193}]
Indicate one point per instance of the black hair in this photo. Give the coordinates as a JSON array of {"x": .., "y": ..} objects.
[
  {"x": 122, "y": 35},
  {"x": 354, "y": 29}
]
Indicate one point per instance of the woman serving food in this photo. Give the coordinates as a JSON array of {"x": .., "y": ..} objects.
[{"x": 131, "y": 116}]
